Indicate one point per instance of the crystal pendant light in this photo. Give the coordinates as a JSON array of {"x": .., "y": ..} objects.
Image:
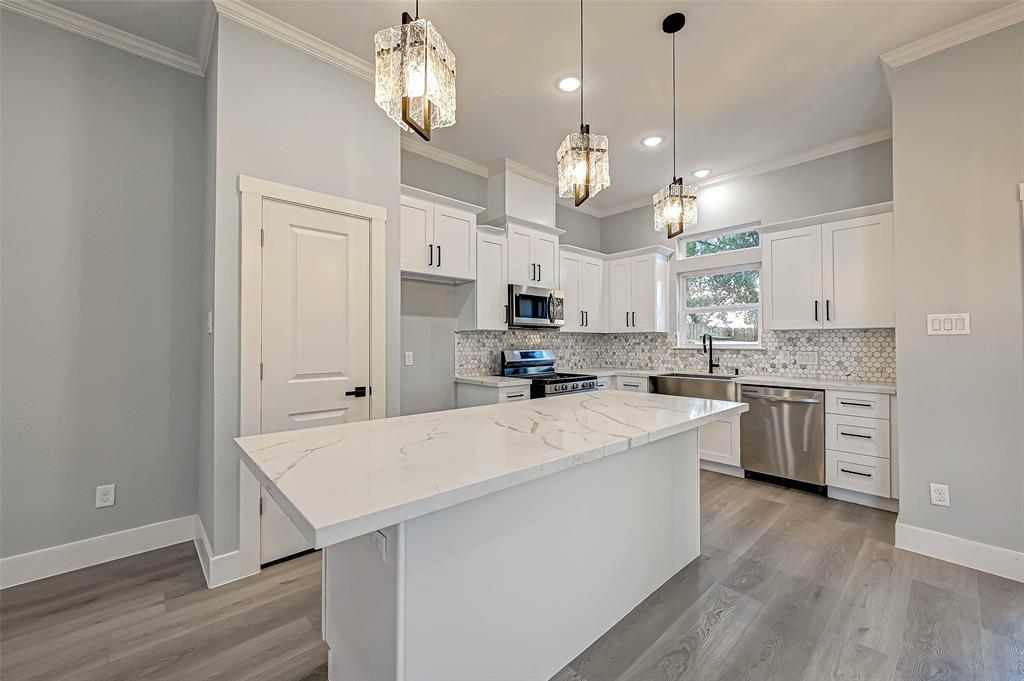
[
  {"x": 675, "y": 206},
  {"x": 582, "y": 157},
  {"x": 415, "y": 76}
]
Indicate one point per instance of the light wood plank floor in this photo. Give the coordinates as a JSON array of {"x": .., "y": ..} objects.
[{"x": 789, "y": 586}]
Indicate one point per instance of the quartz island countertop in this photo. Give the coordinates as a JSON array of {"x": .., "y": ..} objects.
[{"x": 339, "y": 482}]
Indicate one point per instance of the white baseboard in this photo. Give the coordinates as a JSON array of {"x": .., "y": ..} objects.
[
  {"x": 28, "y": 567},
  {"x": 854, "y": 497},
  {"x": 985, "y": 557},
  {"x": 723, "y": 468},
  {"x": 218, "y": 569}
]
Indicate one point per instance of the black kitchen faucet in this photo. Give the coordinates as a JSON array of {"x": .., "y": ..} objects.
[{"x": 708, "y": 341}]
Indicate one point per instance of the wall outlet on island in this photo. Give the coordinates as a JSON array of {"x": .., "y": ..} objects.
[
  {"x": 939, "y": 494},
  {"x": 104, "y": 496}
]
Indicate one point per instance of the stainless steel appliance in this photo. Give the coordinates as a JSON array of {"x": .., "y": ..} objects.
[
  {"x": 539, "y": 365},
  {"x": 530, "y": 306},
  {"x": 707, "y": 386},
  {"x": 783, "y": 434}
]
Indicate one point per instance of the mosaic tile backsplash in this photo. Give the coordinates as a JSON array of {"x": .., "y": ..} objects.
[{"x": 857, "y": 354}]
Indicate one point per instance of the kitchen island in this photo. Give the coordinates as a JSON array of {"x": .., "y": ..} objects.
[{"x": 493, "y": 542}]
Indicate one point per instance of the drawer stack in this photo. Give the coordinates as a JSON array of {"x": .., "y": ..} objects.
[{"x": 857, "y": 447}]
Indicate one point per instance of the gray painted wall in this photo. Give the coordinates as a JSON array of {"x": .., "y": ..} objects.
[
  {"x": 103, "y": 245},
  {"x": 958, "y": 160},
  {"x": 440, "y": 178},
  {"x": 287, "y": 117},
  {"x": 858, "y": 177},
  {"x": 580, "y": 229},
  {"x": 428, "y": 331}
]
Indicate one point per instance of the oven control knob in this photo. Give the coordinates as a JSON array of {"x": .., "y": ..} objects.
[{"x": 575, "y": 386}]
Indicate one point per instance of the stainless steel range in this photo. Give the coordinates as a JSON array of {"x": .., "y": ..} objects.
[{"x": 539, "y": 365}]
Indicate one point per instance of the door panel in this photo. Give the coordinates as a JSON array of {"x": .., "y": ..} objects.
[
  {"x": 315, "y": 331},
  {"x": 454, "y": 243},
  {"x": 792, "y": 268},
  {"x": 417, "y": 226},
  {"x": 643, "y": 296},
  {"x": 619, "y": 281},
  {"x": 569, "y": 282},
  {"x": 592, "y": 294},
  {"x": 857, "y": 268},
  {"x": 520, "y": 257},
  {"x": 545, "y": 254},
  {"x": 492, "y": 283}
]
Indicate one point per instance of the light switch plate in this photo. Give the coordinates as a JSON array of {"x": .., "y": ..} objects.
[
  {"x": 408, "y": 359},
  {"x": 950, "y": 324},
  {"x": 809, "y": 358}
]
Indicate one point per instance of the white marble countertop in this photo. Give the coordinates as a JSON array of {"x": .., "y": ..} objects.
[
  {"x": 819, "y": 384},
  {"x": 493, "y": 381},
  {"x": 340, "y": 482}
]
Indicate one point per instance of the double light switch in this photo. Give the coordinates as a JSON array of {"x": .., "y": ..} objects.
[{"x": 957, "y": 324}]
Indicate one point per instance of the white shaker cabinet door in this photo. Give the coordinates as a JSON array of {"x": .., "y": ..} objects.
[
  {"x": 454, "y": 243},
  {"x": 545, "y": 257},
  {"x": 857, "y": 272},
  {"x": 491, "y": 283},
  {"x": 643, "y": 293},
  {"x": 619, "y": 308},
  {"x": 417, "y": 225},
  {"x": 791, "y": 264},
  {"x": 592, "y": 296},
  {"x": 569, "y": 282},
  {"x": 521, "y": 269}
]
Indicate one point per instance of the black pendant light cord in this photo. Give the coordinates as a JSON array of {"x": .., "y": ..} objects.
[
  {"x": 673, "y": 107},
  {"x": 417, "y": 10},
  {"x": 581, "y": 63}
]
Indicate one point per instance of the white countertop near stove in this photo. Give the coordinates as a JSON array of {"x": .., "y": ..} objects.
[
  {"x": 339, "y": 482},
  {"x": 493, "y": 381}
]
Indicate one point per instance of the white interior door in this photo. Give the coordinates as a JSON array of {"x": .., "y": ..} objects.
[
  {"x": 315, "y": 334},
  {"x": 455, "y": 242},
  {"x": 791, "y": 262},
  {"x": 857, "y": 272},
  {"x": 569, "y": 282}
]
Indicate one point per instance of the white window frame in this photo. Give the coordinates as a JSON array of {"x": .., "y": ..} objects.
[
  {"x": 682, "y": 310},
  {"x": 714, "y": 234}
]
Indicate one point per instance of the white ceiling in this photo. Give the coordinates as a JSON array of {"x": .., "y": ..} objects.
[{"x": 758, "y": 80}]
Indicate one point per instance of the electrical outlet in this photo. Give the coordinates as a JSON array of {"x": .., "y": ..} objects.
[
  {"x": 408, "y": 359},
  {"x": 104, "y": 496},
  {"x": 379, "y": 544},
  {"x": 939, "y": 494},
  {"x": 784, "y": 357},
  {"x": 809, "y": 358}
]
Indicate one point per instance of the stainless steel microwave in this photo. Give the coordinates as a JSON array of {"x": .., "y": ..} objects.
[{"x": 530, "y": 306}]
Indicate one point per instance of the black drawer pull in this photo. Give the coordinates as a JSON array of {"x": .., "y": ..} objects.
[
  {"x": 516, "y": 395},
  {"x": 863, "y": 437},
  {"x": 631, "y": 385},
  {"x": 863, "y": 475},
  {"x": 855, "y": 404}
]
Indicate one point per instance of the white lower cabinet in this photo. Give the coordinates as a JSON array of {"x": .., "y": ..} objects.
[
  {"x": 857, "y": 472},
  {"x": 631, "y": 384},
  {"x": 720, "y": 442},
  {"x": 858, "y": 451},
  {"x": 471, "y": 395}
]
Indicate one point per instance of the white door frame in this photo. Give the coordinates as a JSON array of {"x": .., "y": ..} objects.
[{"x": 254, "y": 191}]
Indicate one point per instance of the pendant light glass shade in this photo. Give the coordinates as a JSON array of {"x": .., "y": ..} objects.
[
  {"x": 582, "y": 165},
  {"x": 582, "y": 158},
  {"x": 415, "y": 76},
  {"x": 675, "y": 208}
]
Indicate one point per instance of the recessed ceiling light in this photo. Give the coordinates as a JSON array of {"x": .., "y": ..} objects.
[
  {"x": 702, "y": 173},
  {"x": 569, "y": 84},
  {"x": 653, "y": 141}
]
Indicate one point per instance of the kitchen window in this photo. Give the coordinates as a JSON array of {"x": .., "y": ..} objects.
[
  {"x": 723, "y": 243},
  {"x": 724, "y": 302}
]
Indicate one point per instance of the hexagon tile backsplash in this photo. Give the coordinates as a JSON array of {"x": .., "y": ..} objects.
[{"x": 857, "y": 354}]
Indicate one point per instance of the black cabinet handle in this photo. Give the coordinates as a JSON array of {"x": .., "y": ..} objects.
[
  {"x": 506, "y": 314},
  {"x": 438, "y": 256},
  {"x": 539, "y": 275},
  {"x": 516, "y": 395},
  {"x": 431, "y": 250},
  {"x": 586, "y": 318},
  {"x": 634, "y": 319},
  {"x": 828, "y": 310},
  {"x": 863, "y": 475},
  {"x": 360, "y": 391},
  {"x": 863, "y": 437},
  {"x": 533, "y": 271},
  {"x": 627, "y": 319},
  {"x": 815, "y": 310},
  {"x": 854, "y": 404}
]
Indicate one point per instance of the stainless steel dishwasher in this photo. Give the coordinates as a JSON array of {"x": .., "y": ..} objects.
[{"x": 783, "y": 434}]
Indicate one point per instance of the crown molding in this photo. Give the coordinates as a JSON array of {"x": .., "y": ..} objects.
[
  {"x": 269, "y": 25},
  {"x": 526, "y": 171},
  {"x": 951, "y": 37},
  {"x": 585, "y": 208},
  {"x": 205, "y": 41},
  {"x": 415, "y": 146},
  {"x": 114, "y": 37}
]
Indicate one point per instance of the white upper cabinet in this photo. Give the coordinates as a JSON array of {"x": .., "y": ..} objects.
[
  {"x": 581, "y": 279},
  {"x": 791, "y": 261},
  {"x": 834, "y": 275},
  {"x": 532, "y": 257},
  {"x": 438, "y": 236},
  {"x": 483, "y": 304},
  {"x": 638, "y": 291},
  {"x": 857, "y": 271}
]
